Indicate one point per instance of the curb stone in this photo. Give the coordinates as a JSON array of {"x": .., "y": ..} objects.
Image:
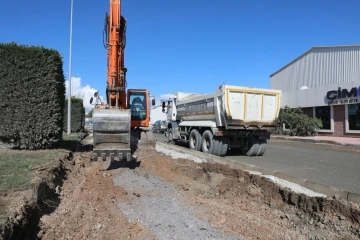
[
  {"x": 316, "y": 187},
  {"x": 314, "y": 141}
]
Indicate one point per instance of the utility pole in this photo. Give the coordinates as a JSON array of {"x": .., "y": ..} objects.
[{"x": 69, "y": 96}]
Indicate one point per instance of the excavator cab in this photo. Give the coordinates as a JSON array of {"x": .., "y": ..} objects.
[{"x": 139, "y": 104}]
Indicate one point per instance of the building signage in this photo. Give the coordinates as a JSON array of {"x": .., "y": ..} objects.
[{"x": 343, "y": 96}]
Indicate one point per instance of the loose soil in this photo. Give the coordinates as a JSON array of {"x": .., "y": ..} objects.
[
  {"x": 22, "y": 208},
  {"x": 88, "y": 208},
  {"x": 28, "y": 182},
  {"x": 253, "y": 206},
  {"x": 165, "y": 198}
]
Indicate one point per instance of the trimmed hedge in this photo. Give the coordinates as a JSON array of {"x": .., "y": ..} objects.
[
  {"x": 77, "y": 115},
  {"x": 32, "y": 89}
]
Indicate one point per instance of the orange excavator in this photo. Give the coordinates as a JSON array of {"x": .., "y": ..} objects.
[{"x": 124, "y": 120}]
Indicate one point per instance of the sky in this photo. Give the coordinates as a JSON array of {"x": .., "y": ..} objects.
[{"x": 187, "y": 46}]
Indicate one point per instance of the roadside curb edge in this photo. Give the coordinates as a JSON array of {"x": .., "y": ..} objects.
[
  {"x": 316, "y": 187},
  {"x": 314, "y": 141}
]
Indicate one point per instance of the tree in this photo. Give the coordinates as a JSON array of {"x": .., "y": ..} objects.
[
  {"x": 298, "y": 123},
  {"x": 89, "y": 115}
]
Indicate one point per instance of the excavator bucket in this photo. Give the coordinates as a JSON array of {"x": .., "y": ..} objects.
[{"x": 111, "y": 133}]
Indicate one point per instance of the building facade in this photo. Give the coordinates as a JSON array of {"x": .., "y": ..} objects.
[
  {"x": 156, "y": 114},
  {"x": 325, "y": 83}
]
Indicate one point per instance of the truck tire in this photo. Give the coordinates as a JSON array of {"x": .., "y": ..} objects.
[
  {"x": 262, "y": 148},
  {"x": 170, "y": 136},
  {"x": 253, "y": 150},
  {"x": 207, "y": 142},
  {"x": 195, "y": 140},
  {"x": 221, "y": 146}
]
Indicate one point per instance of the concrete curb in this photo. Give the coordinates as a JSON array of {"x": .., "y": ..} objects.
[
  {"x": 313, "y": 141},
  {"x": 316, "y": 187}
]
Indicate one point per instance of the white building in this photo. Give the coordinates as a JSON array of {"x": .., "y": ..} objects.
[
  {"x": 324, "y": 82},
  {"x": 156, "y": 114}
]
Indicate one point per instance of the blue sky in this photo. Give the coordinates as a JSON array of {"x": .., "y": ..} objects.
[{"x": 189, "y": 46}]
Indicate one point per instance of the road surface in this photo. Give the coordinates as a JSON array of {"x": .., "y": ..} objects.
[{"x": 336, "y": 166}]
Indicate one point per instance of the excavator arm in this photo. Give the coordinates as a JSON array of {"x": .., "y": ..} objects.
[
  {"x": 117, "y": 124},
  {"x": 115, "y": 34}
]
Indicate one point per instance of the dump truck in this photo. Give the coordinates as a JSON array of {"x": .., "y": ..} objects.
[{"x": 233, "y": 118}]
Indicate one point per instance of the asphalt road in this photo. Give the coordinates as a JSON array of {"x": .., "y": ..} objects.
[{"x": 336, "y": 166}]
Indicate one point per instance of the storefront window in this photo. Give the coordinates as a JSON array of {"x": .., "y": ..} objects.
[
  {"x": 354, "y": 116},
  {"x": 323, "y": 113}
]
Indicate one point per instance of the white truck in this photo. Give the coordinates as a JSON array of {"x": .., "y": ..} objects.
[{"x": 233, "y": 117}]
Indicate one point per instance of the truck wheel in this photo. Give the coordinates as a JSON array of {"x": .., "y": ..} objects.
[
  {"x": 221, "y": 145},
  {"x": 262, "y": 148},
  {"x": 195, "y": 140},
  {"x": 207, "y": 142},
  {"x": 170, "y": 137},
  {"x": 253, "y": 150}
]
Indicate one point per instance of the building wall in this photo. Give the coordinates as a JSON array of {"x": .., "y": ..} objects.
[
  {"x": 319, "y": 67},
  {"x": 339, "y": 120},
  {"x": 306, "y": 81},
  {"x": 314, "y": 96},
  {"x": 157, "y": 114},
  {"x": 308, "y": 111}
]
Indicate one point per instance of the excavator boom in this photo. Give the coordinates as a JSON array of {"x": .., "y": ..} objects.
[{"x": 117, "y": 123}]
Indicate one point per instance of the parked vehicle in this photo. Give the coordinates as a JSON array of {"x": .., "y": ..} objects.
[
  {"x": 159, "y": 126},
  {"x": 233, "y": 117}
]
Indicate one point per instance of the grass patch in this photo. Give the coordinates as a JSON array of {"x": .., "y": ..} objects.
[
  {"x": 73, "y": 136},
  {"x": 17, "y": 167},
  {"x": 72, "y": 141}
]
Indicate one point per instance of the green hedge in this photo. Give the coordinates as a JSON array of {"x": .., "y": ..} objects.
[
  {"x": 77, "y": 115},
  {"x": 32, "y": 90}
]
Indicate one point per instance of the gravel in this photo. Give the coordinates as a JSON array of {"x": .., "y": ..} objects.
[{"x": 155, "y": 205}]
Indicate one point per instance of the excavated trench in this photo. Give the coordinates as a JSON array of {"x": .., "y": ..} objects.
[
  {"x": 25, "y": 209},
  {"x": 165, "y": 197}
]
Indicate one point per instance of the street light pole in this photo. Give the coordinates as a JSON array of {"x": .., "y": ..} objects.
[{"x": 69, "y": 96}]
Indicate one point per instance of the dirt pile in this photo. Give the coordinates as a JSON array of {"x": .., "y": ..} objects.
[{"x": 88, "y": 208}]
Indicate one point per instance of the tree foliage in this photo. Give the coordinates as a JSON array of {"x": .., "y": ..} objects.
[
  {"x": 77, "y": 115},
  {"x": 89, "y": 115},
  {"x": 298, "y": 123}
]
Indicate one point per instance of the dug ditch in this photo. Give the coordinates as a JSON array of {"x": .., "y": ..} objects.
[
  {"x": 177, "y": 198},
  {"x": 25, "y": 208}
]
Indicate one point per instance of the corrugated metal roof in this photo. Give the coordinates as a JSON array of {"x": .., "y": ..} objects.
[{"x": 311, "y": 50}]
